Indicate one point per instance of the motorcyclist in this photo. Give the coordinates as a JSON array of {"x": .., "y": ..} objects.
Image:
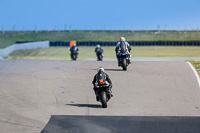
[
  {"x": 122, "y": 43},
  {"x": 98, "y": 50},
  {"x": 74, "y": 49},
  {"x": 101, "y": 75}
]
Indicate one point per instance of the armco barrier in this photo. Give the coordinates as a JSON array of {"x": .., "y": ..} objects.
[
  {"x": 133, "y": 43},
  {"x": 31, "y": 45}
]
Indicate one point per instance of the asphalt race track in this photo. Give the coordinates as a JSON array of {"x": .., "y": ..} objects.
[
  {"x": 122, "y": 124},
  {"x": 35, "y": 95}
]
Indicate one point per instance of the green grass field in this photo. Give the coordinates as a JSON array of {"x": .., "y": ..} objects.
[
  {"x": 63, "y": 53},
  {"x": 9, "y": 37}
]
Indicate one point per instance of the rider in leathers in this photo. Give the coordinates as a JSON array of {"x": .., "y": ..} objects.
[
  {"x": 75, "y": 49},
  {"x": 98, "y": 50},
  {"x": 101, "y": 70},
  {"x": 118, "y": 48}
]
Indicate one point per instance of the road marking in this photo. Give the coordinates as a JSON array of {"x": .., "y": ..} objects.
[{"x": 195, "y": 72}]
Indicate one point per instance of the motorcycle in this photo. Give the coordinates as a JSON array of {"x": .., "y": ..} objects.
[
  {"x": 124, "y": 60},
  {"x": 74, "y": 55},
  {"x": 99, "y": 56},
  {"x": 104, "y": 95}
]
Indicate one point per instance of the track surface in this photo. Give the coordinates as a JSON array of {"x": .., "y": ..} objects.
[
  {"x": 150, "y": 59},
  {"x": 122, "y": 124},
  {"x": 33, "y": 90}
]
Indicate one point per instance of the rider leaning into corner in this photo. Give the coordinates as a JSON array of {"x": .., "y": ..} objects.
[
  {"x": 101, "y": 75},
  {"x": 122, "y": 43}
]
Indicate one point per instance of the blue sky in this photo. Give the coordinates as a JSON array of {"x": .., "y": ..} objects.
[{"x": 100, "y": 14}]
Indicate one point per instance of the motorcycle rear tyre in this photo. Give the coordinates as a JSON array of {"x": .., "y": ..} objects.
[
  {"x": 74, "y": 57},
  {"x": 99, "y": 58},
  {"x": 103, "y": 99},
  {"x": 124, "y": 64}
]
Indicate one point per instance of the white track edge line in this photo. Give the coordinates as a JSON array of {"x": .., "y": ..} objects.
[{"x": 195, "y": 72}]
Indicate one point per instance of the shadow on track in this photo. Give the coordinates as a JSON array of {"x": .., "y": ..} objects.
[
  {"x": 110, "y": 69},
  {"x": 86, "y": 105},
  {"x": 113, "y": 69}
]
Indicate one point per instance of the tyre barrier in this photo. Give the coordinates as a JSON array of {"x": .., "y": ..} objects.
[
  {"x": 132, "y": 43},
  {"x": 58, "y": 43}
]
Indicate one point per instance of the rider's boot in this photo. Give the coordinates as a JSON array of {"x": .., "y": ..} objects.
[
  {"x": 110, "y": 92},
  {"x": 129, "y": 60},
  {"x": 97, "y": 95},
  {"x": 118, "y": 63},
  {"x": 111, "y": 95}
]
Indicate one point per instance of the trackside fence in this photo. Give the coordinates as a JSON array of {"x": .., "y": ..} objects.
[{"x": 28, "y": 45}]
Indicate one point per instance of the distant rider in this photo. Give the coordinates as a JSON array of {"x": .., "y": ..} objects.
[
  {"x": 101, "y": 75},
  {"x": 74, "y": 50},
  {"x": 122, "y": 44},
  {"x": 98, "y": 50}
]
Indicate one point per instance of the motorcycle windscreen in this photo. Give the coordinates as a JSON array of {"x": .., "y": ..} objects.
[{"x": 123, "y": 46}]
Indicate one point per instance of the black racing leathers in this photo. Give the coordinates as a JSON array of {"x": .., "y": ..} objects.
[
  {"x": 74, "y": 50},
  {"x": 98, "y": 50},
  {"x": 107, "y": 79}
]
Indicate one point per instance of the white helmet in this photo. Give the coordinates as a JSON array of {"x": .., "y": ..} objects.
[{"x": 100, "y": 69}]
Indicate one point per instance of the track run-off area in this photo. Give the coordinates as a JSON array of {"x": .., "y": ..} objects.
[{"x": 34, "y": 91}]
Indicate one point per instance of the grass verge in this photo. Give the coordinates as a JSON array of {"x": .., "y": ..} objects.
[
  {"x": 63, "y": 53},
  {"x": 196, "y": 65}
]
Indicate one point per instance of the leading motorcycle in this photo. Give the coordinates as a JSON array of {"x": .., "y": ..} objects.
[{"x": 124, "y": 59}]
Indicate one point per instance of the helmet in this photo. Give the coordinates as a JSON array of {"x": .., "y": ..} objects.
[
  {"x": 98, "y": 46},
  {"x": 122, "y": 39},
  {"x": 100, "y": 69}
]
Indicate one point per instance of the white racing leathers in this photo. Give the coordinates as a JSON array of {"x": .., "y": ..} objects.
[{"x": 119, "y": 47}]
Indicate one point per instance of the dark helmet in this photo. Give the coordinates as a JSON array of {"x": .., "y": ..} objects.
[{"x": 100, "y": 69}]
